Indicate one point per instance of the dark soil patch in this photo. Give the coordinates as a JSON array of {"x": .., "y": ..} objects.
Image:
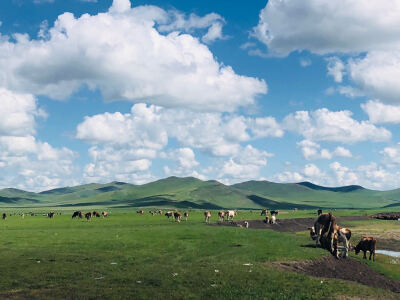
[
  {"x": 346, "y": 269},
  {"x": 286, "y": 225},
  {"x": 387, "y": 216}
]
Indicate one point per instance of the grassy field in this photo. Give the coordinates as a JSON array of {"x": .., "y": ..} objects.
[{"x": 150, "y": 257}]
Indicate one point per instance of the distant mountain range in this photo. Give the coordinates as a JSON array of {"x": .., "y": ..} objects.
[{"x": 189, "y": 192}]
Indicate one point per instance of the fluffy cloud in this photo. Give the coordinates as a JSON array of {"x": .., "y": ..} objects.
[
  {"x": 26, "y": 162},
  {"x": 325, "y": 125},
  {"x": 381, "y": 113},
  {"x": 184, "y": 163},
  {"x": 124, "y": 54},
  {"x": 324, "y": 26},
  {"x": 391, "y": 154},
  {"x": 378, "y": 75},
  {"x": 336, "y": 68},
  {"x": 311, "y": 150}
]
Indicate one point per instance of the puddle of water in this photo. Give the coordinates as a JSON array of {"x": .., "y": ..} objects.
[{"x": 389, "y": 253}]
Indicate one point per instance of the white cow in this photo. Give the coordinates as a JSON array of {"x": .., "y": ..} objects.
[{"x": 231, "y": 214}]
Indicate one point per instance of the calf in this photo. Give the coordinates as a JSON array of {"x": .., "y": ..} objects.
[
  {"x": 88, "y": 216},
  {"x": 341, "y": 235},
  {"x": 221, "y": 215},
  {"x": 177, "y": 216},
  {"x": 77, "y": 214},
  {"x": 104, "y": 214},
  {"x": 366, "y": 244},
  {"x": 186, "y": 215},
  {"x": 207, "y": 216}
]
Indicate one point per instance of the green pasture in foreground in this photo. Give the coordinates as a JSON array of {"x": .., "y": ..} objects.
[{"x": 150, "y": 257}]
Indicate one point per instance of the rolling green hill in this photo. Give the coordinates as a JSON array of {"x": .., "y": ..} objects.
[{"x": 189, "y": 192}]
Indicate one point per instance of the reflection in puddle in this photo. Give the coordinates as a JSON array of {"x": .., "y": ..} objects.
[{"x": 389, "y": 253}]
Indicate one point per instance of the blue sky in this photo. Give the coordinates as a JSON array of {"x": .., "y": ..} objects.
[{"x": 286, "y": 91}]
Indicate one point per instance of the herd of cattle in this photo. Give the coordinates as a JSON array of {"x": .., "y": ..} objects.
[
  {"x": 325, "y": 230},
  {"x": 329, "y": 234}
]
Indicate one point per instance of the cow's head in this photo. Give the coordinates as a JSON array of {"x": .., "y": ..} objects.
[{"x": 313, "y": 234}]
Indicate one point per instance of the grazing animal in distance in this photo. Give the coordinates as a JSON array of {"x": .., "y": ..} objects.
[
  {"x": 274, "y": 213},
  {"x": 177, "y": 216},
  {"x": 104, "y": 214},
  {"x": 160, "y": 212},
  {"x": 207, "y": 216},
  {"x": 186, "y": 215},
  {"x": 141, "y": 212},
  {"x": 230, "y": 214},
  {"x": 96, "y": 214},
  {"x": 366, "y": 244},
  {"x": 4, "y": 216},
  {"x": 319, "y": 212},
  {"x": 88, "y": 216},
  {"x": 169, "y": 214},
  {"x": 267, "y": 220},
  {"x": 51, "y": 215},
  {"x": 246, "y": 224},
  {"x": 264, "y": 212},
  {"x": 221, "y": 215},
  {"x": 77, "y": 214},
  {"x": 22, "y": 215}
]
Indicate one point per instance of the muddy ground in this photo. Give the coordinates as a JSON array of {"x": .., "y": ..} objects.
[
  {"x": 347, "y": 269},
  {"x": 387, "y": 216},
  {"x": 287, "y": 225}
]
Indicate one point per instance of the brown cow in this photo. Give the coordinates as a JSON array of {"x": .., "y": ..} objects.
[
  {"x": 207, "y": 216},
  {"x": 96, "y": 214},
  {"x": 104, "y": 214},
  {"x": 186, "y": 215},
  {"x": 4, "y": 216},
  {"x": 221, "y": 215},
  {"x": 325, "y": 224},
  {"x": 366, "y": 244},
  {"x": 140, "y": 212},
  {"x": 341, "y": 235},
  {"x": 77, "y": 214},
  {"x": 88, "y": 216},
  {"x": 177, "y": 216}
]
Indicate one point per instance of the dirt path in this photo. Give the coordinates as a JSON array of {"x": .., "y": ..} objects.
[
  {"x": 346, "y": 269},
  {"x": 286, "y": 225}
]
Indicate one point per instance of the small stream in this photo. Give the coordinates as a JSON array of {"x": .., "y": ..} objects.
[{"x": 388, "y": 253}]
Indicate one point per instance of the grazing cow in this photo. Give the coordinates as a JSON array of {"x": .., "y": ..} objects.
[
  {"x": 141, "y": 212},
  {"x": 88, "y": 216},
  {"x": 96, "y": 214},
  {"x": 77, "y": 214},
  {"x": 22, "y": 215},
  {"x": 186, "y": 215},
  {"x": 319, "y": 212},
  {"x": 246, "y": 224},
  {"x": 221, "y": 215},
  {"x": 366, "y": 244},
  {"x": 207, "y": 216},
  {"x": 264, "y": 212},
  {"x": 267, "y": 220},
  {"x": 104, "y": 214},
  {"x": 4, "y": 216},
  {"x": 325, "y": 224},
  {"x": 230, "y": 214},
  {"x": 160, "y": 212},
  {"x": 51, "y": 214},
  {"x": 152, "y": 212},
  {"x": 274, "y": 213},
  {"x": 177, "y": 216}
]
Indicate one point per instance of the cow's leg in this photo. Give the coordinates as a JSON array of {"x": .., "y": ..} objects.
[
  {"x": 373, "y": 256},
  {"x": 370, "y": 255},
  {"x": 365, "y": 254}
]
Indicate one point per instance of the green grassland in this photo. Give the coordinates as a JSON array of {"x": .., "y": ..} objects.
[
  {"x": 193, "y": 193},
  {"x": 150, "y": 257}
]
